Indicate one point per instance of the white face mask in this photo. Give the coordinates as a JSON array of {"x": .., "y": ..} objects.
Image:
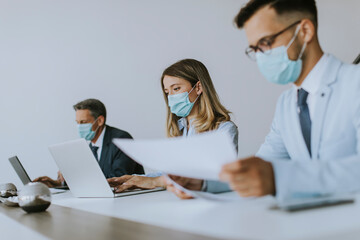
[
  {"x": 276, "y": 66},
  {"x": 180, "y": 104},
  {"x": 85, "y": 130}
]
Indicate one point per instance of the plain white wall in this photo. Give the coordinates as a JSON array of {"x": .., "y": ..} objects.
[{"x": 56, "y": 53}]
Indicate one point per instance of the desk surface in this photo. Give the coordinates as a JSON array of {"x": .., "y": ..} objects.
[
  {"x": 160, "y": 215},
  {"x": 10, "y": 229},
  {"x": 68, "y": 223}
]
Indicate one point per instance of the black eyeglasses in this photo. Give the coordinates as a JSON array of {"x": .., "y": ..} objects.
[{"x": 264, "y": 44}]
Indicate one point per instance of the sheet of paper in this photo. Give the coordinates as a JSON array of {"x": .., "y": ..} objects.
[
  {"x": 200, "y": 156},
  {"x": 206, "y": 195}
]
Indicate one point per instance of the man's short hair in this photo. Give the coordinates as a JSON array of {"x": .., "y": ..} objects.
[
  {"x": 280, "y": 6},
  {"x": 95, "y": 107}
]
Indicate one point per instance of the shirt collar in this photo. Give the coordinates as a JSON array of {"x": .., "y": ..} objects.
[
  {"x": 182, "y": 123},
  {"x": 100, "y": 140},
  {"x": 313, "y": 80}
]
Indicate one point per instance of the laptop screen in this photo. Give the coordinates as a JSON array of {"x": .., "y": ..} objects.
[{"x": 19, "y": 169}]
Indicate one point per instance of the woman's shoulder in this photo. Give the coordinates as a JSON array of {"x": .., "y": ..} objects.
[
  {"x": 228, "y": 126},
  {"x": 232, "y": 130}
]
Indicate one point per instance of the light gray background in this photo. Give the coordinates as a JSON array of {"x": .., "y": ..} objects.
[{"x": 56, "y": 53}]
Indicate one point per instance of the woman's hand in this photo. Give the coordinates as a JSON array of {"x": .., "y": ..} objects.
[
  {"x": 188, "y": 183},
  {"x": 132, "y": 182}
]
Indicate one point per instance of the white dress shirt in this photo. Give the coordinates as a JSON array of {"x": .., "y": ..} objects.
[
  {"x": 312, "y": 82},
  {"x": 99, "y": 143}
]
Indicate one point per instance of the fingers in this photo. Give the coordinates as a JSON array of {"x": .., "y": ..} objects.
[
  {"x": 49, "y": 184},
  {"x": 178, "y": 192},
  {"x": 230, "y": 176},
  {"x": 127, "y": 182},
  {"x": 188, "y": 183},
  {"x": 179, "y": 180},
  {"x": 250, "y": 192},
  {"x": 39, "y": 179},
  {"x": 115, "y": 181},
  {"x": 234, "y": 166},
  {"x": 123, "y": 187},
  {"x": 250, "y": 177},
  {"x": 61, "y": 177},
  {"x": 36, "y": 179},
  {"x": 112, "y": 182},
  {"x": 230, "y": 170},
  {"x": 42, "y": 179},
  {"x": 245, "y": 193},
  {"x": 239, "y": 165},
  {"x": 174, "y": 177},
  {"x": 182, "y": 181},
  {"x": 245, "y": 189},
  {"x": 46, "y": 182}
]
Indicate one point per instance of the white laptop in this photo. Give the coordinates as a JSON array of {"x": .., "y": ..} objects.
[{"x": 82, "y": 172}]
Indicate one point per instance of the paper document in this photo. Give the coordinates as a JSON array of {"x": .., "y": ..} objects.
[
  {"x": 206, "y": 195},
  {"x": 200, "y": 156}
]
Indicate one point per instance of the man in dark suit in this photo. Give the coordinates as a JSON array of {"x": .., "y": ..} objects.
[
  {"x": 113, "y": 161},
  {"x": 91, "y": 120}
]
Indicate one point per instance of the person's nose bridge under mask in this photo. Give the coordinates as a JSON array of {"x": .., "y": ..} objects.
[
  {"x": 276, "y": 66},
  {"x": 85, "y": 130},
  {"x": 180, "y": 103}
]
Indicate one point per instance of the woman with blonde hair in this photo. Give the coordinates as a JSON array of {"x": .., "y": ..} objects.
[{"x": 193, "y": 107}]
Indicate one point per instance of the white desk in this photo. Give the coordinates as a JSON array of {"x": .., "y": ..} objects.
[
  {"x": 10, "y": 229},
  {"x": 234, "y": 220}
]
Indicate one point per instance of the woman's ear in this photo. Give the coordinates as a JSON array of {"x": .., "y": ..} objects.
[{"x": 199, "y": 89}]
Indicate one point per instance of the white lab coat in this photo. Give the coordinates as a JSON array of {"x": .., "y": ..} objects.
[{"x": 335, "y": 138}]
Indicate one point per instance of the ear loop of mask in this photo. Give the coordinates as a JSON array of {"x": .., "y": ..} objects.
[
  {"x": 293, "y": 39},
  {"x": 191, "y": 91},
  {"x": 302, "y": 50},
  {"x": 93, "y": 125}
]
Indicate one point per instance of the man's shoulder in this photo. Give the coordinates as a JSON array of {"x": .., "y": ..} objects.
[
  {"x": 344, "y": 72},
  {"x": 350, "y": 73},
  {"x": 116, "y": 132}
]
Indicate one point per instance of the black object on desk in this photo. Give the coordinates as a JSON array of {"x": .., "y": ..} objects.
[{"x": 357, "y": 60}]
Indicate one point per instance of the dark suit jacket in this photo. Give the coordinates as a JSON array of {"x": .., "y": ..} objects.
[{"x": 113, "y": 162}]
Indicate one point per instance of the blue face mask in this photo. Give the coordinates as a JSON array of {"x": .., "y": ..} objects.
[
  {"x": 85, "y": 131},
  {"x": 180, "y": 104},
  {"x": 276, "y": 66}
]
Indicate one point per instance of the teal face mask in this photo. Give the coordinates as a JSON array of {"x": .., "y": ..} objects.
[
  {"x": 276, "y": 66},
  {"x": 180, "y": 104},
  {"x": 85, "y": 131}
]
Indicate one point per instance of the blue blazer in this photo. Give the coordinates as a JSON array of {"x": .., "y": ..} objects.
[
  {"x": 335, "y": 138},
  {"x": 113, "y": 162}
]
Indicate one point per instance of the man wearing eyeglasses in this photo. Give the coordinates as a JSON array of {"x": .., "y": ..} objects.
[{"x": 313, "y": 147}]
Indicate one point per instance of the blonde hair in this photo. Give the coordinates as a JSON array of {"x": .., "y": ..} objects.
[{"x": 210, "y": 111}]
